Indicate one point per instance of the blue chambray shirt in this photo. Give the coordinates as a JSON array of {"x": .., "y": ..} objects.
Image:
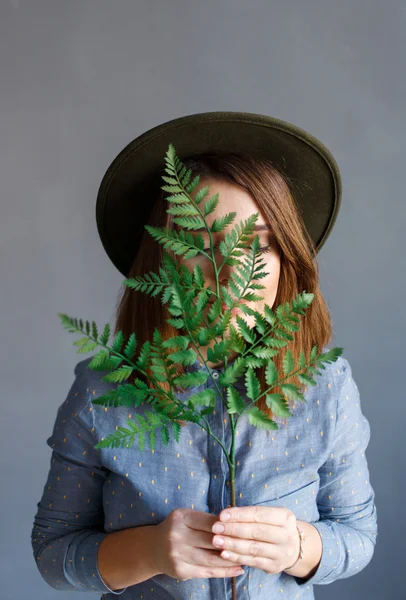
[{"x": 314, "y": 464}]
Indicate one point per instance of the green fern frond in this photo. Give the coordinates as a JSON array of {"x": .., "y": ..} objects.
[
  {"x": 164, "y": 435},
  {"x": 254, "y": 362},
  {"x": 95, "y": 333},
  {"x": 235, "y": 403},
  {"x": 274, "y": 342},
  {"x": 118, "y": 342},
  {"x": 150, "y": 283},
  {"x": 269, "y": 315},
  {"x": 176, "y": 429},
  {"x": 184, "y": 210},
  {"x": 278, "y": 404},
  {"x": 288, "y": 362},
  {"x": 211, "y": 204},
  {"x": 271, "y": 373},
  {"x": 83, "y": 349},
  {"x": 291, "y": 390},
  {"x": 261, "y": 324},
  {"x": 191, "y": 379},
  {"x": 100, "y": 361},
  {"x": 205, "y": 397},
  {"x": 262, "y": 352},
  {"x": 105, "y": 335},
  {"x": 279, "y": 331},
  {"x": 144, "y": 356},
  {"x": 234, "y": 371},
  {"x": 131, "y": 346},
  {"x": 120, "y": 374},
  {"x": 302, "y": 360},
  {"x": 330, "y": 356},
  {"x": 252, "y": 384},
  {"x": 125, "y": 395},
  {"x": 245, "y": 330},
  {"x": 260, "y": 420},
  {"x": 303, "y": 378},
  {"x": 67, "y": 322},
  {"x": 178, "y": 341},
  {"x": 184, "y": 357},
  {"x": 81, "y": 341},
  {"x": 124, "y": 437}
]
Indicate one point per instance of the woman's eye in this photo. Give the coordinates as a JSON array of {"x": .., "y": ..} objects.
[
  {"x": 263, "y": 249},
  {"x": 266, "y": 249}
]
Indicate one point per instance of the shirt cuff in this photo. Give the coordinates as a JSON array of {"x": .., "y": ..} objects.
[
  {"x": 86, "y": 565},
  {"x": 329, "y": 556}
]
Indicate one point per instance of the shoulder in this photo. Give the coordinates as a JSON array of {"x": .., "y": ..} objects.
[
  {"x": 337, "y": 368},
  {"x": 332, "y": 376},
  {"x": 73, "y": 428},
  {"x": 338, "y": 378},
  {"x": 76, "y": 407},
  {"x": 343, "y": 376},
  {"x": 89, "y": 377},
  {"x": 349, "y": 407},
  {"x": 337, "y": 373},
  {"x": 87, "y": 384},
  {"x": 330, "y": 385},
  {"x": 343, "y": 367},
  {"x": 81, "y": 368},
  {"x": 79, "y": 396}
]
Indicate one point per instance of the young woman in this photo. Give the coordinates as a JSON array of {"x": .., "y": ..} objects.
[{"x": 141, "y": 523}]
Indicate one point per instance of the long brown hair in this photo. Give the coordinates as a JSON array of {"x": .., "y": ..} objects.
[{"x": 135, "y": 312}]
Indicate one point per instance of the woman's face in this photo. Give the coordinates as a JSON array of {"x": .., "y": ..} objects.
[{"x": 232, "y": 198}]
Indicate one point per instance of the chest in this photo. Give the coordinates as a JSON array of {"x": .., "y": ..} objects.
[{"x": 273, "y": 468}]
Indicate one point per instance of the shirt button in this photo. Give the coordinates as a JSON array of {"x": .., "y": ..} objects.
[{"x": 215, "y": 375}]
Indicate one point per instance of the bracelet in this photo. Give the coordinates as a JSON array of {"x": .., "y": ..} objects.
[{"x": 302, "y": 542}]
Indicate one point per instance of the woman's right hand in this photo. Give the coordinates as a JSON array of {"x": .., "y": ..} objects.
[{"x": 183, "y": 547}]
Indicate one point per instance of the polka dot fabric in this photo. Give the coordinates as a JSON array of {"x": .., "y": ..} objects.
[{"x": 314, "y": 464}]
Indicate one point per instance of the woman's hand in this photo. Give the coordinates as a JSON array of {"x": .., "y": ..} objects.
[
  {"x": 264, "y": 537},
  {"x": 182, "y": 547}
]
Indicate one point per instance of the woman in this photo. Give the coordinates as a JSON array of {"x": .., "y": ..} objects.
[{"x": 139, "y": 523}]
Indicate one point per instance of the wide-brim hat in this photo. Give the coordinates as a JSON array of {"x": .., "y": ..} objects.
[{"x": 132, "y": 182}]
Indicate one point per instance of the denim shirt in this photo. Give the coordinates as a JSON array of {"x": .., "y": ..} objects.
[{"x": 314, "y": 464}]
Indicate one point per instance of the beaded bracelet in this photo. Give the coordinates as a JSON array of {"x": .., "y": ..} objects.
[{"x": 302, "y": 542}]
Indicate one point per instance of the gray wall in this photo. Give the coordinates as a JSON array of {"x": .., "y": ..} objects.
[{"x": 79, "y": 80}]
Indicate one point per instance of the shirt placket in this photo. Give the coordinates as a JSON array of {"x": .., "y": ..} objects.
[{"x": 219, "y": 492}]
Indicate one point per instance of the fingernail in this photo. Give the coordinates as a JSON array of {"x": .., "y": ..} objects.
[{"x": 225, "y": 516}]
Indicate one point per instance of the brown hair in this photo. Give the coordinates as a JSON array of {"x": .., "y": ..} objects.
[{"x": 298, "y": 264}]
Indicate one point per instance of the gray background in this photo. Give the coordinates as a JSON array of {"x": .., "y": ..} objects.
[{"x": 79, "y": 80}]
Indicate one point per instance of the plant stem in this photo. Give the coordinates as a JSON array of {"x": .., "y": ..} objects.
[{"x": 232, "y": 493}]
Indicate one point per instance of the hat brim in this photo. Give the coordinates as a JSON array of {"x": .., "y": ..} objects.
[{"x": 130, "y": 184}]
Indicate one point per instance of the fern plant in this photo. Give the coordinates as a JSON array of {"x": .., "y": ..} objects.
[{"x": 187, "y": 296}]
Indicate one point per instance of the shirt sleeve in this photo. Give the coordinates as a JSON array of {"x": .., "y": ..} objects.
[
  {"x": 69, "y": 524},
  {"x": 345, "y": 501}
]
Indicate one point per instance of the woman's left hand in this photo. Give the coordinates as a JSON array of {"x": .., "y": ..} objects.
[{"x": 264, "y": 537}]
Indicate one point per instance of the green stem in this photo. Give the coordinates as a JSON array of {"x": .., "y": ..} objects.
[
  {"x": 232, "y": 492},
  {"x": 219, "y": 442}
]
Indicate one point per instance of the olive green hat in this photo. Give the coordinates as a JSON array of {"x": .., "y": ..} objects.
[{"x": 132, "y": 181}]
